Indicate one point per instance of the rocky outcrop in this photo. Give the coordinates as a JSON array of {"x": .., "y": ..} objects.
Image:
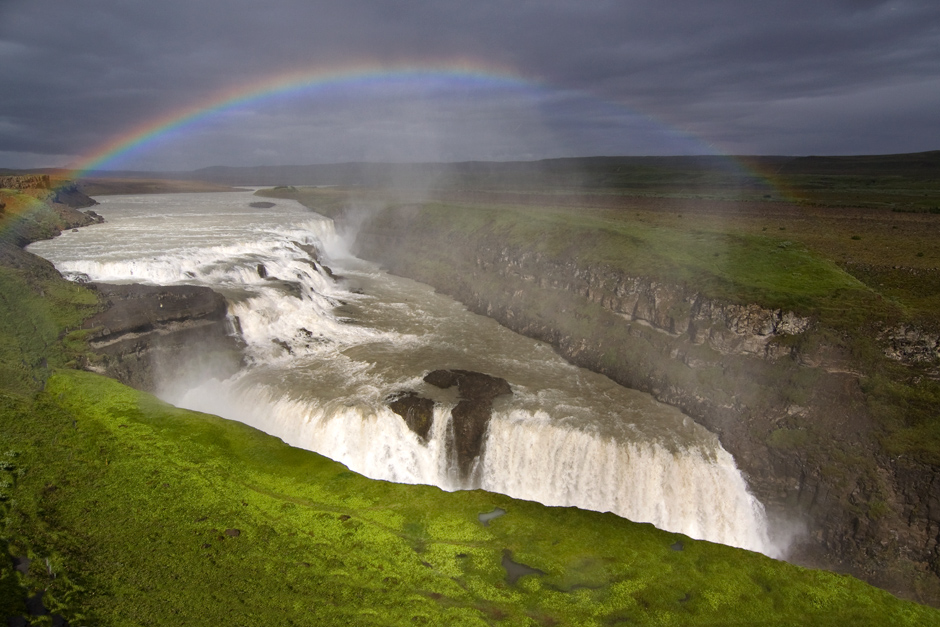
[
  {"x": 472, "y": 414},
  {"x": 143, "y": 332},
  {"x": 469, "y": 418},
  {"x": 146, "y": 333},
  {"x": 69, "y": 194},
  {"x": 910, "y": 345},
  {"x": 415, "y": 410},
  {"x": 40, "y": 215},
  {"x": 728, "y": 328},
  {"x": 25, "y": 181},
  {"x": 793, "y": 413}
]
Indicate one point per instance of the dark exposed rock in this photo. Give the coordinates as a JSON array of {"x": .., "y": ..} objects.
[
  {"x": 472, "y": 414},
  {"x": 46, "y": 220},
  {"x": 149, "y": 330},
  {"x": 262, "y": 271},
  {"x": 310, "y": 249},
  {"x": 261, "y": 205},
  {"x": 69, "y": 194},
  {"x": 417, "y": 412}
]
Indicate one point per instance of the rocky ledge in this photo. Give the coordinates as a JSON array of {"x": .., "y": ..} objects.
[{"x": 147, "y": 332}]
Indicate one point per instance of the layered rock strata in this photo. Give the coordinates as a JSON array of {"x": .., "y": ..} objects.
[{"x": 147, "y": 334}]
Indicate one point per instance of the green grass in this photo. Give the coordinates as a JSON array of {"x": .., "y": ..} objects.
[
  {"x": 736, "y": 267},
  {"x": 36, "y": 308}
]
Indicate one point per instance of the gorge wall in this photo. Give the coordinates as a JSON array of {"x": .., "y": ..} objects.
[
  {"x": 792, "y": 411},
  {"x": 145, "y": 332}
]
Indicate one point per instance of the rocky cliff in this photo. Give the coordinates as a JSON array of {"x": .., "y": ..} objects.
[
  {"x": 146, "y": 332},
  {"x": 792, "y": 411}
]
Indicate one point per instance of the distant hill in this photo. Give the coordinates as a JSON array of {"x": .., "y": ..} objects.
[{"x": 583, "y": 172}]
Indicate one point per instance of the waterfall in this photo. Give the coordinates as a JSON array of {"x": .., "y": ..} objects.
[{"x": 325, "y": 353}]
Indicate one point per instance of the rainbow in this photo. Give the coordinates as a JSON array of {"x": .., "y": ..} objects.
[
  {"x": 144, "y": 135},
  {"x": 464, "y": 73}
]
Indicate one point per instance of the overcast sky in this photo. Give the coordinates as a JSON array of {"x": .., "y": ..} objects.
[{"x": 618, "y": 77}]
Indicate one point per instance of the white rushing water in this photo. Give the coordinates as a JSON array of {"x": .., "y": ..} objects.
[{"x": 324, "y": 355}]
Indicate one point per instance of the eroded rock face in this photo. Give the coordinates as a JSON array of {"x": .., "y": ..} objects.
[
  {"x": 415, "y": 410},
  {"x": 147, "y": 332},
  {"x": 472, "y": 414},
  {"x": 910, "y": 345},
  {"x": 25, "y": 181}
]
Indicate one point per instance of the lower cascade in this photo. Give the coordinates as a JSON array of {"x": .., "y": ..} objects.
[{"x": 332, "y": 341}]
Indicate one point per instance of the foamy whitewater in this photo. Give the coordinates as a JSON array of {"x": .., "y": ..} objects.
[{"x": 324, "y": 355}]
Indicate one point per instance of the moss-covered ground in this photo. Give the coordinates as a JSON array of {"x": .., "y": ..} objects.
[{"x": 132, "y": 512}]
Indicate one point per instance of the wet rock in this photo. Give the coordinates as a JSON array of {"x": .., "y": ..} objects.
[
  {"x": 261, "y": 205},
  {"x": 472, "y": 414},
  {"x": 146, "y": 331},
  {"x": 310, "y": 249},
  {"x": 416, "y": 411},
  {"x": 262, "y": 271}
]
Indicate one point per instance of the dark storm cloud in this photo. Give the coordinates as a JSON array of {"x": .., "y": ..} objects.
[{"x": 797, "y": 76}]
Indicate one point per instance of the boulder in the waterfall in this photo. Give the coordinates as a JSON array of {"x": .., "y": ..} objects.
[
  {"x": 261, "y": 205},
  {"x": 262, "y": 271},
  {"x": 416, "y": 411},
  {"x": 310, "y": 249},
  {"x": 471, "y": 416}
]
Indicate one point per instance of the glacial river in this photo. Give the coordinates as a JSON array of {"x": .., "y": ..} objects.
[{"x": 325, "y": 354}]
